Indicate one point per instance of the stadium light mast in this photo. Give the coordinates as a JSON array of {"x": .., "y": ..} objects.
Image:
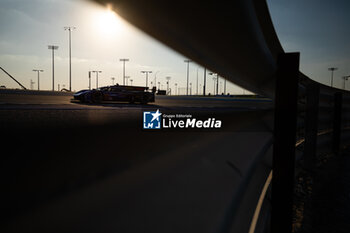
[
  {"x": 188, "y": 70},
  {"x": 224, "y": 86},
  {"x": 346, "y": 78},
  {"x": 214, "y": 79},
  {"x": 167, "y": 83},
  {"x": 217, "y": 82},
  {"x": 332, "y": 69},
  {"x": 53, "y": 48},
  {"x": 124, "y": 60},
  {"x": 89, "y": 80},
  {"x": 205, "y": 80},
  {"x": 155, "y": 78},
  {"x": 97, "y": 72},
  {"x": 69, "y": 29},
  {"x": 31, "y": 84},
  {"x": 38, "y": 71},
  {"x": 146, "y": 72}
]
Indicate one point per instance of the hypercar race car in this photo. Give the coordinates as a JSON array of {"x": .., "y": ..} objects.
[{"x": 129, "y": 94}]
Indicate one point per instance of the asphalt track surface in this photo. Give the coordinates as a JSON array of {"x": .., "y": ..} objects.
[
  {"x": 72, "y": 167},
  {"x": 39, "y": 109}
]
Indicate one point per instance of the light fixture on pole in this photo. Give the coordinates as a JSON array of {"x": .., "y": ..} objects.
[
  {"x": 332, "y": 69},
  {"x": 188, "y": 73},
  {"x": 69, "y": 29},
  {"x": 131, "y": 82},
  {"x": 97, "y": 72},
  {"x": 38, "y": 71},
  {"x": 146, "y": 72},
  {"x": 124, "y": 60},
  {"x": 113, "y": 80},
  {"x": 53, "y": 48}
]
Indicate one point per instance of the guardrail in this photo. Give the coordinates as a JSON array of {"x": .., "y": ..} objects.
[{"x": 311, "y": 120}]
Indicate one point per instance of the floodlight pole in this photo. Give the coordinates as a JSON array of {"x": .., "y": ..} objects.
[
  {"x": 217, "y": 84},
  {"x": 332, "y": 69},
  {"x": 89, "y": 80},
  {"x": 53, "y": 48},
  {"x": 168, "y": 79},
  {"x": 70, "y": 55},
  {"x": 124, "y": 60},
  {"x": 225, "y": 86},
  {"x": 31, "y": 84},
  {"x": 38, "y": 71},
  {"x": 96, "y": 71},
  {"x": 146, "y": 72},
  {"x": 205, "y": 79},
  {"x": 346, "y": 78},
  {"x": 155, "y": 78},
  {"x": 214, "y": 79},
  {"x": 197, "y": 82},
  {"x": 188, "y": 70}
]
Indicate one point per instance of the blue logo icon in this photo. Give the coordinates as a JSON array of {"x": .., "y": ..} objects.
[{"x": 151, "y": 120}]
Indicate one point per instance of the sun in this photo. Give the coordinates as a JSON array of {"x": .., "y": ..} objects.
[{"x": 109, "y": 23}]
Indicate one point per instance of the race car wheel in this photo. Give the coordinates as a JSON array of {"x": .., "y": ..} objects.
[
  {"x": 86, "y": 98},
  {"x": 97, "y": 97},
  {"x": 132, "y": 100},
  {"x": 144, "y": 100}
]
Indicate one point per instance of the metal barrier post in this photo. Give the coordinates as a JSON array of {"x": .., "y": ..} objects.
[
  {"x": 311, "y": 124},
  {"x": 285, "y": 125},
  {"x": 338, "y": 98}
]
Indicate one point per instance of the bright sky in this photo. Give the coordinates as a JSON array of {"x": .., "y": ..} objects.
[
  {"x": 319, "y": 29},
  {"x": 100, "y": 39}
]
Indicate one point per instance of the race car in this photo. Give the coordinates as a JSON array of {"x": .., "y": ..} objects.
[{"x": 117, "y": 92}]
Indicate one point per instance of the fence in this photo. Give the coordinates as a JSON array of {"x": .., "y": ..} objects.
[{"x": 311, "y": 120}]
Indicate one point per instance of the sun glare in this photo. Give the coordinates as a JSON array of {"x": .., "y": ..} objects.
[{"x": 108, "y": 23}]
